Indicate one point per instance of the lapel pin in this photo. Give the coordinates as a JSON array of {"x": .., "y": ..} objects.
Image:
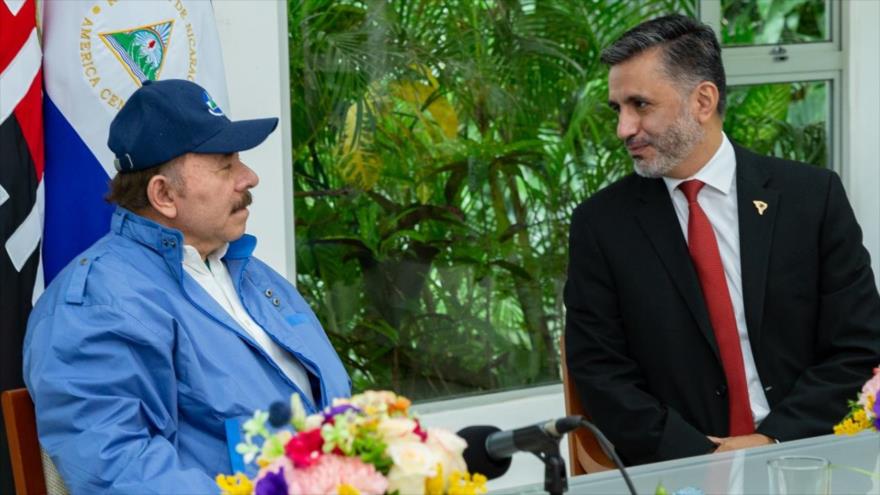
[{"x": 760, "y": 206}]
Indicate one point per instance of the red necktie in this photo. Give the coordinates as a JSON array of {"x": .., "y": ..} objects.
[{"x": 707, "y": 261}]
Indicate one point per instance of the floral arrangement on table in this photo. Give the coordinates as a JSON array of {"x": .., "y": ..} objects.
[
  {"x": 864, "y": 413},
  {"x": 369, "y": 444}
]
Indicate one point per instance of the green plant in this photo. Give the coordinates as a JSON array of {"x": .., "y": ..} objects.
[
  {"x": 763, "y": 22},
  {"x": 439, "y": 147}
]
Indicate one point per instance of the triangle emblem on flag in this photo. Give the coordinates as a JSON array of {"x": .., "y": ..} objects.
[{"x": 141, "y": 50}]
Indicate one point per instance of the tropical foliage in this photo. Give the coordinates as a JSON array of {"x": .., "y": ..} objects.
[
  {"x": 769, "y": 22},
  {"x": 439, "y": 147},
  {"x": 789, "y": 120}
]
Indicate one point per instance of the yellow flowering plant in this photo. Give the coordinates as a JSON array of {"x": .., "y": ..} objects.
[
  {"x": 864, "y": 413},
  {"x": 368, "y": 444}
]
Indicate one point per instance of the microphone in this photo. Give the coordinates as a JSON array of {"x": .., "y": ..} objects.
[
  {"x": 489, "y": 449},
  {"x": 477, "y": 457},
  {"x": 534, "y": 438}
]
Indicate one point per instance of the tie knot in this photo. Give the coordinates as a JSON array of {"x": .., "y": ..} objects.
[{"x": 691, "y": 188}]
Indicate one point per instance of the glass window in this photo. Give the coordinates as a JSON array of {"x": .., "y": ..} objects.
[
  {"x": 439, "y": 149},
  {"x": 788, "y": 120},
  {"x": 771, "y": 22}
]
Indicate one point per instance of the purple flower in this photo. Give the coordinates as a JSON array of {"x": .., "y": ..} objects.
[
  {"x": 333, "y": 411},
  {"x": 272, "y": 484},
  {"x": 877, "y": 413}
]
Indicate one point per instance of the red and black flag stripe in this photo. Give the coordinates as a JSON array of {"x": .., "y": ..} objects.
[{"x": 21, "y": 170}]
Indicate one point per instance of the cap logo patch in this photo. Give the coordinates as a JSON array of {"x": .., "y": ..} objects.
[
  {"x": 213, "y": 108},
  {"x": 141, "y": 50}
]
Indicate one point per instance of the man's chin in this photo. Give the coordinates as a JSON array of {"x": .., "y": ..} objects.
[
  {"x": 237, "y": 225},
  {"x": 647, "y": 170}
]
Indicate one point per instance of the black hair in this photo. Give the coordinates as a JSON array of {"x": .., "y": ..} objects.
[{"x": 690, "y": 51}]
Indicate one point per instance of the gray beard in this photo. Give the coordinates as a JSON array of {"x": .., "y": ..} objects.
[{"x": 672, "y": 147}]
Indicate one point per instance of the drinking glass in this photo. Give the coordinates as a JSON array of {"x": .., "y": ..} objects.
[{"x": 799, "y": 475}]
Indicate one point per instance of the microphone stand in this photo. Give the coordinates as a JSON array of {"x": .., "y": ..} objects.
[{"x": 555, "y": 480}]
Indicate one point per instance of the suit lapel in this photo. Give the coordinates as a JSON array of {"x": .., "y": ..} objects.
[
  {"x": 756, "y": 221},
  {"x": 656, "y": 216}
]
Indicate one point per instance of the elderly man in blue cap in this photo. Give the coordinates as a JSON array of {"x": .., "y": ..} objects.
[{"x": 145, "y": 347}]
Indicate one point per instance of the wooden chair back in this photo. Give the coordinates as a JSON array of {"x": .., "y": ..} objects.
[
  {"x": 24, "y": 447},
  {"x": 584, "y": 454}
]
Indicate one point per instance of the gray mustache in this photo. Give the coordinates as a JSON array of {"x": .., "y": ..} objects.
[{"x": 246, "y": 199}]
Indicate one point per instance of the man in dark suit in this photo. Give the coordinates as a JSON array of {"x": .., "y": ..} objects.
[{"x": 716, "y": 299}]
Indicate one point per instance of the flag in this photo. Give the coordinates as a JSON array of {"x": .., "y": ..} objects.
[
  {"x": 96, "y": 54},
  {"x": 21, "y": 171}
]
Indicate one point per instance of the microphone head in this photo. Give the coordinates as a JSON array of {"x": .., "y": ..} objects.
[{"x": 477, "y": 457}]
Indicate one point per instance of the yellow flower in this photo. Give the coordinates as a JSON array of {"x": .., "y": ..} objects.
[
  {"x": 434, "y": 485},
  {"x": 853, "y": 424},
  {"x": 346, "y": 489},
  {"x": 238, "y": 484},
  {"x": 465, "y": 484}
]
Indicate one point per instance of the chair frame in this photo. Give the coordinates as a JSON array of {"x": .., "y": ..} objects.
[
  {"x": 584, "y": 453},
  {"x": 24, "y": 445}
]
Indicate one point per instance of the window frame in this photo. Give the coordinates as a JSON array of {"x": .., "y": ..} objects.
[{"x": 809, "y": 61}]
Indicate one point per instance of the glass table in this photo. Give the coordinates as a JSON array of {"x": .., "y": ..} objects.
[{"x": 855, "y": 469}]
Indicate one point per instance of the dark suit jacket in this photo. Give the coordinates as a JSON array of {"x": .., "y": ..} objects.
[{"x": 639, "y": 345}]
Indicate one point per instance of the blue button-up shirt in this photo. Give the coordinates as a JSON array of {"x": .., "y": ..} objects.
[{"x": 134, "y": 368}]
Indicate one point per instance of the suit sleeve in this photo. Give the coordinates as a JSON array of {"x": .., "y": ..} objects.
[
  {"x": 610, "y": 383},
  {"x": 847, "y": 331},
  {"x": 104, "y": 389}
]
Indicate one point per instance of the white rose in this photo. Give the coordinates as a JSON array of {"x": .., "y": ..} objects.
[
  {"x": 449, "y": 447},
  {"x": 394, "y": 430},
  {"x": 413, "y": 462},
  {"x": 411, "y": 484}
]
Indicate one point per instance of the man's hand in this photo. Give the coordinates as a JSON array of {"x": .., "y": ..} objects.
[{"x": 741, "y": 442}]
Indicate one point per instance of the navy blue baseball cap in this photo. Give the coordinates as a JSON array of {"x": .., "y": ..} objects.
[{"x": 166, "y": 119}]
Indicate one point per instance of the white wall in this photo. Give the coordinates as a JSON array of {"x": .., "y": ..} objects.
[
  {"x": 253, "y": 35},
  {"x": 861, "y": 133}
]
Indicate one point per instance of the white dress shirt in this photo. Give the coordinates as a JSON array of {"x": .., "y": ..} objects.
[
  {"x": 718, "y": 200},
  {"x": 215, "y": 279}
]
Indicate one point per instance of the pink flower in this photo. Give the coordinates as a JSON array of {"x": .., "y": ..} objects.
[
  {"x": 329, "y": 472},
  {"x": 305, "y": 448},
  {"x": 870, "y": 389}
]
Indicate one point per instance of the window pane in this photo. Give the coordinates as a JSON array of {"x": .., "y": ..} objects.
[
  {"x": 771, "y": 22},
  {"x": 788, "y": 120},
  {"x": 439, "y": 149}
]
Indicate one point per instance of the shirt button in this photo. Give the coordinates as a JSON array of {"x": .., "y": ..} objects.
[
  {"x": 268, "y": 293},
  {"x": 721, "y": 391},
  {"x": 172, "y": 243},
  {"x": 276, "y": 302}
]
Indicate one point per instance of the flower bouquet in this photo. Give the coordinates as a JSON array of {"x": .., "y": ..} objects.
[
  {"x": 369, "y": 444},
  {"x": 864, "y": 413}
]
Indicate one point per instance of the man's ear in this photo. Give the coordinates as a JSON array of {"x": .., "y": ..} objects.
[
  {"x": 705, "y": 101},
  {"x": 161, "y": 194}
]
